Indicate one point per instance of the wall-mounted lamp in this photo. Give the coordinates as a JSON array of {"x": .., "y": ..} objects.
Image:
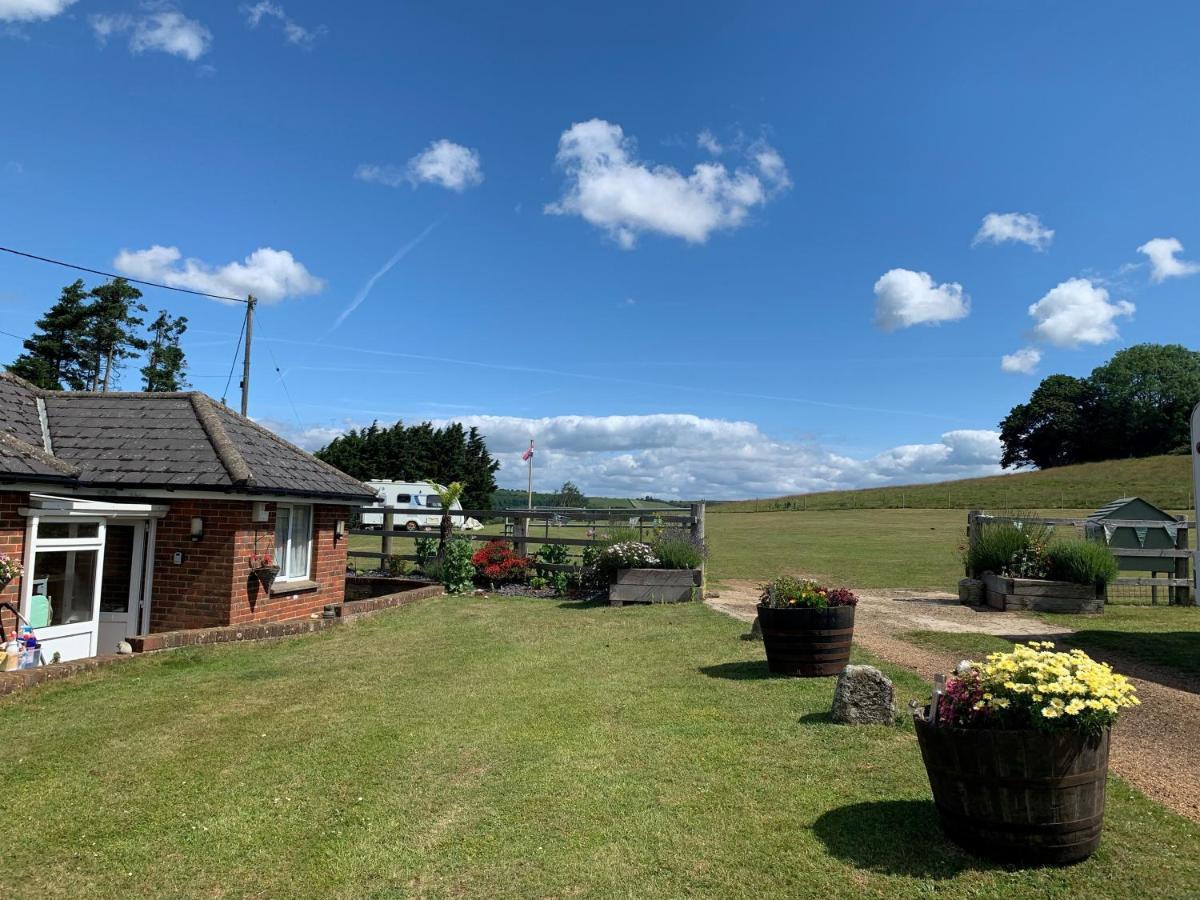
[
  {"x": 339, "y": 530},
  {"x": 197, "y": 528},
  {"x": 258, "y": 511}
]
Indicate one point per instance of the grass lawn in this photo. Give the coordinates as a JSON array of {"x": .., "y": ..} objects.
[
  {"x": 501, "y": 748},
  {"x": 1163, "y": 635},
  {"x": 963, "y": 645},
  {"x": 876, "y": 548}
]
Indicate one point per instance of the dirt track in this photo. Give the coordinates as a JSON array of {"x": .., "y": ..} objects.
[{"x": 1153, "y": 746}]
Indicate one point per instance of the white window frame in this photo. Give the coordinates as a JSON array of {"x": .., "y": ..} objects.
[{"x": 283, "y": 554}]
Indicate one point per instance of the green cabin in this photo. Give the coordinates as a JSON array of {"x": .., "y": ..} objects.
[{"x": 1157, "y": 533}]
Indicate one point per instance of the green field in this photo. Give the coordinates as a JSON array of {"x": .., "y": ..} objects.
[
  {"x": 878, "y": 548},
  {"x": 502, "y": 748},
  {"x": 1163, "y": 480}
]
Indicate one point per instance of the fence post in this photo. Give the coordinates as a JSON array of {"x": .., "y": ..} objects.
[
  {"x": 973, "y": 527},
  {"x": 697, "y": 528},
  {"x": 1180, "y": 594},
  {"x": 389, "y": 525},
  {"x": 520, "y": 530}
]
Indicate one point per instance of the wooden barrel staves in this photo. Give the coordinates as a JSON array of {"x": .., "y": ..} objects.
[
  {"x": 1021, "y": 796},
  {"x": 807, "y": 642}
]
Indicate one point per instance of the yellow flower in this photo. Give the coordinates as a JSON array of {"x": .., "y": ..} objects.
[{"x": 1050, "y": 712}]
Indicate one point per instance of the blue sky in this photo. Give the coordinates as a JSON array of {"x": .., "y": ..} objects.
[{"x": 820, "y": 304}]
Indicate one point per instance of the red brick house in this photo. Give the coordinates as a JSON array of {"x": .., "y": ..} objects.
[{"x": 135, "y": 513}]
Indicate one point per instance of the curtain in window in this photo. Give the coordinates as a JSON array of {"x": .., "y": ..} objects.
[{"x": 298, "y": 553}]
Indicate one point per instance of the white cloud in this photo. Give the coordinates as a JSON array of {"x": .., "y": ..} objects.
[
  {"x": 688, "y": 456},
  {"x": 1077, "y": 311},
  {"x": 443, "y": 162},
  {"x": 610, "y": 188},
  {"x": 904, "y": 298},
  {"x": 1164, "y": 262},
  {"x": 31, "y": 10},
  {"x": 159, "y": 28},
  {"x": 268, "y": 274},
  {"x": 1021, "y": 228},
  {"x": 706, "y": 140},
  {"x": 293, "y": 31},
  {"x": 1022, "y": 362}
]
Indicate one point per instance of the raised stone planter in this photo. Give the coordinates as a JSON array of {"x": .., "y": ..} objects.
[
  {"x": 654, "y": 586},
  {"x": 1007, "y": 594}
]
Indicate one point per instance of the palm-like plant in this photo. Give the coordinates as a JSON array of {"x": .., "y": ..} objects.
[{"x": 448, "y": 495}]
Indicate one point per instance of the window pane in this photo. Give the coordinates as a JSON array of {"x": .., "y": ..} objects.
[
  {"x": 297, "y": 566},
  {"x": 64, "y": 583},
  {"x": 433, "y": 502},
  {"x": 283, "y": 516},
  {"x": 61, "y": 530},
  {"x": 118, "y": 568},
  {"x": 404, "y": 498}
]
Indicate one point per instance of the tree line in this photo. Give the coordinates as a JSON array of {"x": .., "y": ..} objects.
[
  {"x": 1139, "y": 403},
  {"x": 83, "y": 341},
  {"x": 418, "y": 453}
]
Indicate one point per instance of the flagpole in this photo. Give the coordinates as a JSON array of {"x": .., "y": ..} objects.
[{"x": 529, "y": 496}]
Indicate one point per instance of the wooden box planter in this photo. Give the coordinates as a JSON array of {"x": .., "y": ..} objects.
[
  {"x": 1029, "y": 796},
  {"x": 807, "y": 642},
  {"x": 654, "y": 586},
  {"x": 1041, "y": 596}
]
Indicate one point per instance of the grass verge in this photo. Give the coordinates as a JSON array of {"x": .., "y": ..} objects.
[{"x": 502, "y": 748}]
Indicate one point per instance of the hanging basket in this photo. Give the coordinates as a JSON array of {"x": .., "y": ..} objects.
[
  {"x": 266, "y": 576},
  {"x": 5, "y": 581}
]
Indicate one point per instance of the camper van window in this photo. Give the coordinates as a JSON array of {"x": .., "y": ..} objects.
[
  {"x": 404, "y": 498},
  {"x": 432, "y": 501}
]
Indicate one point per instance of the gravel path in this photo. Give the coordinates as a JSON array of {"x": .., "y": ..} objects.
[{"x": 1153, "y": 745}]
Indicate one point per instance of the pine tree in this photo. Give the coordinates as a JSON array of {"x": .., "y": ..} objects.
[
  {"x": 165, "y": 365},
  {"x": 54, "y": 357},
  {"x": 110, "y": 336}
]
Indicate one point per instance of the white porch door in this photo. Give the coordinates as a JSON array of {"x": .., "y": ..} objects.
[{"x": 122, "y": 583}]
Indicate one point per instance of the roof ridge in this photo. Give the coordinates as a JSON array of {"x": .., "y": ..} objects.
[
  {"x": 22, "y": 383},
  {"x": 227, "y": 452},
  {"x": 15, "y": 443},
  {"x": 286, "y": 443},
  {"x": 122, "y": 395}
]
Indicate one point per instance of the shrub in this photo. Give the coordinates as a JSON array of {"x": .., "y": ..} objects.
[
  {"x": 426, "y": 549},
  {"x": 678, "y": 548},
  {"x": 395, "y": 566},
  {"x": 457, "y": 572},
  {"x": 499, "y": 563},
  {"x": 787, "y": 592},
  {"x": 1081, "y": 562}
]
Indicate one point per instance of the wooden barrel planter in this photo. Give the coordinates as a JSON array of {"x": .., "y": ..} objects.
[
  {"x": 807, "y": 642},
  {"x": 1034, "y": 797}
]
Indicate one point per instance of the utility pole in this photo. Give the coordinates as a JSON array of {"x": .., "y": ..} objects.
[{"x": 250, "y": 304}]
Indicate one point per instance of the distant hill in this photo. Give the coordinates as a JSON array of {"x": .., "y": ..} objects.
[
  {"x": 509, "y": 498},
  {"x": 1165, "y": 481}
]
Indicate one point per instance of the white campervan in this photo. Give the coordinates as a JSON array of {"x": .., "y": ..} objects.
[{"x": 416, "y": 503}]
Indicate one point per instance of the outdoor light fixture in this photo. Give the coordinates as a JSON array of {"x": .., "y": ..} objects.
[
  {"x": 258, "y": 511},
  {"x": 339, "y": 530},
  {"x": 197, "y": 528}
]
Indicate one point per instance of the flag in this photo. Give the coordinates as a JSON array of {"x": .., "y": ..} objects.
[{"x": 528, "y": 454}]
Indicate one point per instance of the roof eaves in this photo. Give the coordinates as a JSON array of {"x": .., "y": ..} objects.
[{"x": 37, "y": 453}]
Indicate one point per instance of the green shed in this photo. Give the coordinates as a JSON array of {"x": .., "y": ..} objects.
[{"x": 1156, "y": 530}]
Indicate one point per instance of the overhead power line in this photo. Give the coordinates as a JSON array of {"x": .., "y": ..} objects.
[{"x": 153, "y": 284}]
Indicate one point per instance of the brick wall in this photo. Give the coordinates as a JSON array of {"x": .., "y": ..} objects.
[
  {"x": 327, "y": 569},
  {"x": 12, "y": 543},
  {"x": 195, "y": 593}
]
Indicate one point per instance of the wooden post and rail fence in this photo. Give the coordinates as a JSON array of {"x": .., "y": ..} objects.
[
  {"x": 1176, "y": 580},
  {"x": 525, "y": 527}
]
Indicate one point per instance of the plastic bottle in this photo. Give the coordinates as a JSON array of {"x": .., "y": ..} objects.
[{"x": 12, "y": 654}]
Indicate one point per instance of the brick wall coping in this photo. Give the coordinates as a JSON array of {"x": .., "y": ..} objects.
[{"x": 11, "y": 682}]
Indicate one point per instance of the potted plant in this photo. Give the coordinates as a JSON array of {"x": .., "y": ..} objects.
[
  {"x": 806, "y": 628},
  {"x": 1021, "y": 568},
  {"x": 1016, "y": 750},
  {"x": 9, "y": 569},
  {"x": 265, "y": 569}
]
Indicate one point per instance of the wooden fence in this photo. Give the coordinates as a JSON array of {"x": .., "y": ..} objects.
[
  {"x": 526, "y": 527},
  {"x": 1175, "y": 579}
]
